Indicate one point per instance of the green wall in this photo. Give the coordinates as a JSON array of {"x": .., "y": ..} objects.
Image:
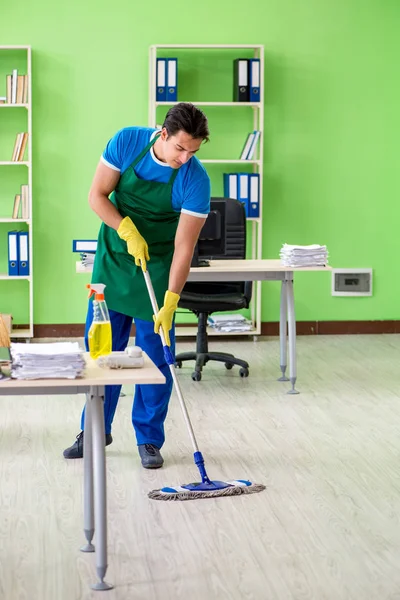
[{"x": 331, "y": 131}]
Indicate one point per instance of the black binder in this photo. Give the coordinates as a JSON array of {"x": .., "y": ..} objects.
[{"x": 241, "y": 80}]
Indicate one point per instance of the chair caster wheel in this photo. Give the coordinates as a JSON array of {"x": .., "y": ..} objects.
[
  {"x": 228, "y": 366},
  {"x": 178, "y": 364},
  {"x": 196, "y": 375},
  {"x": 244, "y": 372}
]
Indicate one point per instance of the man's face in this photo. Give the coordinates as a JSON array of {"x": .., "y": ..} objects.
[{"x": 179, "y": 148}]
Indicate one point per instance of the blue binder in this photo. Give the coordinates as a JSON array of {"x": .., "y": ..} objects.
[
  {"x": 13, "y": 254},
  {"x": 254, "y": 79},
  {"x": 243, "y": 190},
  {"x": 253, "y": 209},
  {"x": 84, "y": 246},
  {"x": 23, "y": 250},
  {"x": 172, "y": 79},
  {"x": 231, "y": 185},
  {"x": 161, "y": 75}
]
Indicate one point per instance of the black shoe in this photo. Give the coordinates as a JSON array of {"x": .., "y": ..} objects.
[
  {"x": 76, "y": 450},
  {"x": 150, "y": 456}
]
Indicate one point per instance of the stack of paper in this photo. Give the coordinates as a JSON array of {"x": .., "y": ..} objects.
[
  {"x": 229, "y": 322},
  {"x": 47, "y": 361},
  {"x": 304, "y": 256}
]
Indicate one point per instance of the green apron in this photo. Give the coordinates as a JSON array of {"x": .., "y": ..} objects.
[{"x": 149, "y": 205}]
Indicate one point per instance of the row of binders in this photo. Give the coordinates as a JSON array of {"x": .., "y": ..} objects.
[
  {"x": 250, "y": 145},
  {"x": 18, "y": 253},
  {"x": 17, "y": 89},
  {"x": 21, "y": 204},
  {"x": 167, "y": 80},
  {"x": 20, "y": 143},
  {"x": 246, "y": 80},
  {"x": 246, "y": 188}
]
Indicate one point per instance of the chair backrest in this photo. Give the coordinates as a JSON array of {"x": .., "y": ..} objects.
[
  {"x": 226, "y": 225},
  {"x": 230, "y": 246}
]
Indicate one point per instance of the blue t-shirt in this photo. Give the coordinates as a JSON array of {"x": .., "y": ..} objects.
[{"x": 191, "y": 189}]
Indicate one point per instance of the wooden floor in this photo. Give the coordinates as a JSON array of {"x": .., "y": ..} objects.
[{"x": 327, "y": 526}]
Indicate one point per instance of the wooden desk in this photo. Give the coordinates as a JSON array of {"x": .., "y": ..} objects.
[
  {"x": 264, "y": 270},
  {"x": 94, "y": 460},
  {"x": 259, "y": 270}
]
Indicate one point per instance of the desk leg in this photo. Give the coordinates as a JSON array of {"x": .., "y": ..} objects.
[
  {"x": 88, "y": 508},
  {"x": 282, "y": 331},
  {"x": 100, "y": 486},
  {"x": 292, "y": 336}
]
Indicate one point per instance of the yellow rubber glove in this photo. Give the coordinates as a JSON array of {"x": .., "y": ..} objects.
[
  {"x": 137, "y": 245},
  {"x": 165, "y": 315}
]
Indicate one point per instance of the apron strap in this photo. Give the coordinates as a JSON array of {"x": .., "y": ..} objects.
[{"x": 145, "y": 150}]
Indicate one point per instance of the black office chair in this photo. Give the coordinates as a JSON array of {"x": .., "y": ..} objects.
[{"x": 228, "y": 241}]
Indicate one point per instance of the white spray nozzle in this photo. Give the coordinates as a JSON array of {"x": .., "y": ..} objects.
[{"x": 97, "y": 289}]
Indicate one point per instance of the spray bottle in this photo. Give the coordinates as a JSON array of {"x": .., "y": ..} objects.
[{"x": 100, "y": 340}]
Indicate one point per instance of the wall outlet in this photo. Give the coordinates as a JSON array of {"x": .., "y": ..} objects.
[{"x": 351, "y": 282}]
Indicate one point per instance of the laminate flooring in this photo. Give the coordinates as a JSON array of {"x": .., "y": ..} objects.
[{"x": 326, "y": 527}]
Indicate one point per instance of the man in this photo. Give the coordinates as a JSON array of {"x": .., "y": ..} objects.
[{"x": 160, "y": 198}]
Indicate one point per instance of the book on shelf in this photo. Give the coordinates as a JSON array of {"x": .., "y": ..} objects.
[
  {"x": 250, "y": 145},
  {"x": 17, "y": 205},
  {"x": 17, "y": 88},
  {"x": 19, "y": 147},
  {"x": 21, "y": 204}
]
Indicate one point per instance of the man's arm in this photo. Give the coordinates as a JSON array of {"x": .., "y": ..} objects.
[
  {"x": 104, "y": 182},
  {"x": 187, "y": 234}
]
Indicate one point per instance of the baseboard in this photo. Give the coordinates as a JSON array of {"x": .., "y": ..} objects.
[{"x": 270, "y": 329}]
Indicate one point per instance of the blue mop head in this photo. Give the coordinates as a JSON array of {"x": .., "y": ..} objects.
[{"x": 206, "y": 489}]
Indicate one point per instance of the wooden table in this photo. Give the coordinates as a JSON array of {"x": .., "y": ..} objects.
[
  {"x": 94, "y": 460},
  {"x": 259, "y": 270}
]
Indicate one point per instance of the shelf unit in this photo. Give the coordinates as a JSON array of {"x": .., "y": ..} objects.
[
  {"x": 255, "y": 224},
  {"x": 19, "y": 332}
]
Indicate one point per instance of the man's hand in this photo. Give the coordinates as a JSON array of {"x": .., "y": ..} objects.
[
  {"x": 165, "y": 315},
  {"x": 137, "y": 245}
]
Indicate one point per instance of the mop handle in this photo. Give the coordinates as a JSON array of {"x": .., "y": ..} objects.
[{"x": 171, "y": 362}]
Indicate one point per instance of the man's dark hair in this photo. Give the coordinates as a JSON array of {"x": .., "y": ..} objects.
[{"x": 186, "y": 117}]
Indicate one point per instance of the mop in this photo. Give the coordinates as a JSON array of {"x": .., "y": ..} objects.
[{"x": 206, "y": 488}]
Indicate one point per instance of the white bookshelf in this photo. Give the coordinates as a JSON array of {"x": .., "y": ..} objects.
[
  {"x": 19, "y": 332},
  {"x": 257, "y": 51}
]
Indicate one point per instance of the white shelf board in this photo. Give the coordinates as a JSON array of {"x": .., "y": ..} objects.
[
  {"x": 21, "y": 333},
  {"x": 254, "y": 104},
  {"x": 9, "y": 105},
  {"x": 14, "y": 47},
  {"x": 14, "y": 162},
  {"x": 15, "y": 220},
  {"x": 5, "y": 276},
  {"x": 191, "y": 331},
  {"x": 235, "y": 161},
  {"x": 210, "y": 46}
]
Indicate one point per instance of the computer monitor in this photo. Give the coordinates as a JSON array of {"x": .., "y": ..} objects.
[{"x": 211, "y": 243}]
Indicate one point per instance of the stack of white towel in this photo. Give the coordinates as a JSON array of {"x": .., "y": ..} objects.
[
  {"x": 304, "y": 256},
  {"x": 59, "y": 360}
]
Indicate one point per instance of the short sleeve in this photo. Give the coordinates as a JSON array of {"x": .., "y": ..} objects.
[
  {"x": 197, "y": 197},
  {"x": 114, "y": 153}
]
